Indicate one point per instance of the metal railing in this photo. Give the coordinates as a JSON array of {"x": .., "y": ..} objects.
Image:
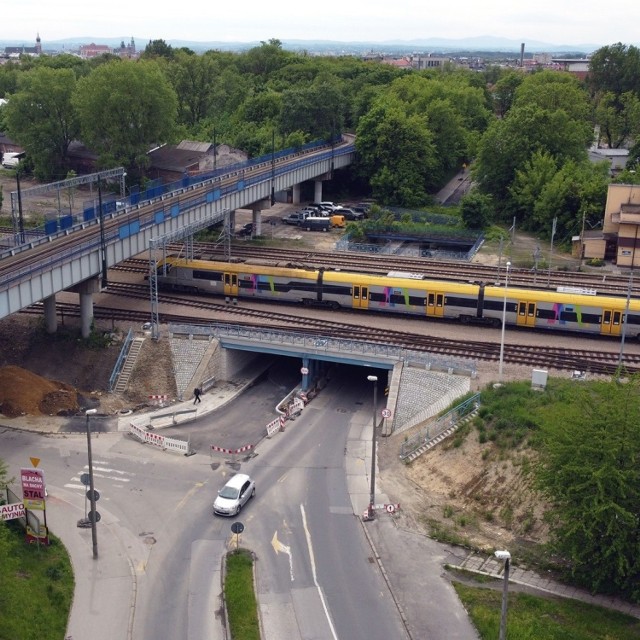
[
  {"x": 121, "y": 360},
  {"x": 442, "y": 423}
]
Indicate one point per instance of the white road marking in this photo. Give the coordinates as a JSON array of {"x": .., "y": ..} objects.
[
  {"x": 106, "y": 470},
  {"x": 278, "y": 546},
  {"x": 313, "y": 570}
]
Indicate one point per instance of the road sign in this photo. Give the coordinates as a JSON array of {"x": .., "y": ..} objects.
[
  {"x": 237, "y": 527},
  {"x": 304, "y": 371},
  {"x": 386, "y": 413},
  {"x": 32, "y": 484},
  {"x": 94, "y": 516},
  {"x": 84, "y": 478},
  {"x": 96, "y": 495}
]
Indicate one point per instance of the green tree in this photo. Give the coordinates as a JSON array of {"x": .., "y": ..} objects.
[
  {"x": 396, "y": 151},
  {"x": 125, "y": 108},
  {"x": 615, "y": 69},
  {"x": 509, "y": 143},
  {"x": 528, "y": 185},
  {"x": 158, "y": 49},
  {"x": 554, "y": 91},
  {"x": 618, "y": 118},
  {"x": 195, "y": 81},
  {"x": 476, "y": 210},
  {"x": 589, "y": 470},
  {"x": 41, "y": 117},
  {"x": 577, "y": 191},
  {"x": 504, "y": 91}
]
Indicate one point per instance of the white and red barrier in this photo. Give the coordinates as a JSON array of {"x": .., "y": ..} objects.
[
  {"x": 247, "y": 447},
  {"x": 159, "y": 399},
  {"x": 166, "y": 444}
]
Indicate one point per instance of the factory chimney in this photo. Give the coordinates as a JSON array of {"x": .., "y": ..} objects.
[{"x": 522, "y": 55}]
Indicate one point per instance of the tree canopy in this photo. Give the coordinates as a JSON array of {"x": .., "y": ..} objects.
[
  {"x": 590, "y": 470},
  {"x": 124, "y": 107}
]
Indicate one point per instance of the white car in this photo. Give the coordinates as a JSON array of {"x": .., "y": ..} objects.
[{"x": 234, "y": 495}]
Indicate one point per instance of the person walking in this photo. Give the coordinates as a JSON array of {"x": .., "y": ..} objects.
[{"x": 197, "y": 393}]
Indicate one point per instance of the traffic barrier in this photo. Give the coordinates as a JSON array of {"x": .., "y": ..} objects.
[
  {"x": 159, "y": 399},
  {"x": 247, "y": 447},
  {"x": 166, "y": 444}
]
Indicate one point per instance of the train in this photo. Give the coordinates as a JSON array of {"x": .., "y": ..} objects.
[{"x": 566, "y": 309}]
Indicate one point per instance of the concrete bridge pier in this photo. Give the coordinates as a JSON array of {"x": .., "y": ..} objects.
[
  {"x": 257, "y": 208},
  {"x": 231, "y": 221},
  {"x": 86, "y": 290},
  {"x": 50, "y": 317},
  {"x": 317, "y": 194},
  {"x": 295, "y": 193}
]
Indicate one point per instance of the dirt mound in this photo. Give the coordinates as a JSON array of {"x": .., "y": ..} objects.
[{"x": 25, "y": 393}]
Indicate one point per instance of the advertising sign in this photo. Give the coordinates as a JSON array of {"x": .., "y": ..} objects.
[
  {"x": 11, "y": 511},
  {"x": 32, "y": 484}
]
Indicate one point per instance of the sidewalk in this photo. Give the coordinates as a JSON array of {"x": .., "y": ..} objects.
[{"x": 106, "y": 588}]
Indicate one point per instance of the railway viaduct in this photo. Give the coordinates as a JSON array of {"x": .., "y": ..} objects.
[{"x": 76, "y": 256}]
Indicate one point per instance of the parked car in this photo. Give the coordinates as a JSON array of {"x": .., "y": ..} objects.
[
  {"x": 234, "y": 495},
  {"x": 296, "y": 218},
  {"x": 349, "y": 214},
  {"x": 245, "y": 230}
]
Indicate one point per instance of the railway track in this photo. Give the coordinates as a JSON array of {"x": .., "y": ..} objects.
[{"x": 592, "y": 361}]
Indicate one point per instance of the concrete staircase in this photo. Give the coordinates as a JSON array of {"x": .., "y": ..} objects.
[
  {"x": 429, "y": 444},
  {"x": 129, "y": 363}
]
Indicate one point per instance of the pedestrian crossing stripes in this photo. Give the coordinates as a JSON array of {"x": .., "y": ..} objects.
[{"x": 103, "y": 474}]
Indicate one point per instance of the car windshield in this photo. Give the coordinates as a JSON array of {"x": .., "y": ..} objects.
[{"x": 229, "y": 492}]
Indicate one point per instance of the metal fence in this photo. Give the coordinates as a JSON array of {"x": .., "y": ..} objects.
[
  {"x": 433, "y": 430},
  {"x": 411, "y": 250}
]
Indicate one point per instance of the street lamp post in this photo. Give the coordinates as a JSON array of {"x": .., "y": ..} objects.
[
  {"x": 372, "y": 494},
  {"x": 92, "y": 495},
  {"x": 504, "y": 320},
  {"x": 506, "y": 556}
]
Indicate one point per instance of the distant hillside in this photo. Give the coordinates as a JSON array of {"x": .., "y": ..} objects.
[{"x": 426, "y": 45}]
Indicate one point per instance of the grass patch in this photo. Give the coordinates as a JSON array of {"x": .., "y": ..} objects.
[
  {"x": 240, "y": 597},
  {"x": 36, "y": 588},
  {"x": 532, "y": 617}
]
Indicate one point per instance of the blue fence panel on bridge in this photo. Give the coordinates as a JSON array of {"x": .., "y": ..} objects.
[
  {"x": 50, "y": 226},
  {"x": 134, "y": 195},
  {"x": 240, "y": 185},
  {"x": 88, "y": 214},
  {"x": 175, "y": 210},
  {"x": 66, "y": 222},
  {"x": 216, "y": 193},
  {"x": 124, "y": 231},
  {"x": 158, "y": 217},
  {"x": 134, "y": 227},
  {"x": 209, "y": 196}
]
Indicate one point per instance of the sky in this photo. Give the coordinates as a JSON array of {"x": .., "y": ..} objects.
[{"x": 560, "y": 22}]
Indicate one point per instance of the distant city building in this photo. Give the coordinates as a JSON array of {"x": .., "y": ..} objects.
[
  {"x": 428, "y": 62},
  {"x": 92, "y": 50},
  {"x": 578, "y": 67},
  {"x": 16, "y": 52},
  {"x": 126, "y": 51}
]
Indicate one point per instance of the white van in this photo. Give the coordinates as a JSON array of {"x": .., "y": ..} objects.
[{"x": 11, "y": 160}]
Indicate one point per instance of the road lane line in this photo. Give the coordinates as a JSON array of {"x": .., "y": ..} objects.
[{"x": 313, "y": 571}]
